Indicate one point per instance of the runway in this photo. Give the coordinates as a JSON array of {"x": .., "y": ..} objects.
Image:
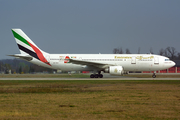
[
  {"x": 89, "y": 78},
  {"x": 106, "y": 77}
]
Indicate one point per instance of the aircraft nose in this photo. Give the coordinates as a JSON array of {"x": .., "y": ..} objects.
[{"x": 173, "y": 63}]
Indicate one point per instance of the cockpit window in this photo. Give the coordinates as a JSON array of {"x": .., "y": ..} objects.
[{"x": 166, "y": 59}]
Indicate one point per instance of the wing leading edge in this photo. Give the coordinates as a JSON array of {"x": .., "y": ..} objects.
[{"x": 89, "y": 63}]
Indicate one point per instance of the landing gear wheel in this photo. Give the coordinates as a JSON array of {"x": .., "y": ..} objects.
[
  {"x": 100, "y": 76},
  {"x": 96, "y": 75},
  {"x": 92, "y": 76},
  {"x": 154, "y": 75}
]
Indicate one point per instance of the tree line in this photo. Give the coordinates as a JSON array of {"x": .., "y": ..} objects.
[
  {"x": 169, "y": 52},
  {"x": 20, "y": 66}
]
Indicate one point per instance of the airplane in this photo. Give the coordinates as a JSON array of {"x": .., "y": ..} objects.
[{"x": 114, "y": 64}]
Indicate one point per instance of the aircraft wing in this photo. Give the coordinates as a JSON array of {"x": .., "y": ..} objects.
[
  {"x": 89, "y": 63},
  {"x": 21, "y": 56}
]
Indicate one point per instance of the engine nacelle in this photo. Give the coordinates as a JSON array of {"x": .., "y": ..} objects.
[{"x": 115, "y": 70}]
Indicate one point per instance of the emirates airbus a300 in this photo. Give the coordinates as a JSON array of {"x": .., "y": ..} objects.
[{"x": 115, "y": 64}]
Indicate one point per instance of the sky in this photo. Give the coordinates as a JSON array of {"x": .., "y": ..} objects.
[{"x": 91, "y": 26}]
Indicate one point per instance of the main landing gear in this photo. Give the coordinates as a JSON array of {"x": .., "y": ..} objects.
[
  {"x": 99, "y": 75},
  {"x": 96, "y": 76}
]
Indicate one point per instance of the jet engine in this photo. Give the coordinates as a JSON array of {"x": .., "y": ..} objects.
[{"x": 115, "y": 70}]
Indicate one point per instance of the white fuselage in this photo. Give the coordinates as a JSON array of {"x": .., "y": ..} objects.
[
  {"x": 129, "y": 62},
  {"x": 115, "y": 64}
]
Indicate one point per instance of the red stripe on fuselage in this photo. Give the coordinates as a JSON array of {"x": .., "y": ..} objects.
[{"x": 39, "y": 54}]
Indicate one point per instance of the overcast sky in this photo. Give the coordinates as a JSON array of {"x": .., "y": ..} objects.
[{"x": 94, "y": 26}]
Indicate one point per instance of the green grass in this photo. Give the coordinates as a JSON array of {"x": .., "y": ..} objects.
[
  {"x": 44, "y": 76},
  {"x": 91, "y": 99}
]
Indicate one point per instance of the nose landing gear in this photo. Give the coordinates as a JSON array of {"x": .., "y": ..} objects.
[{"x": 154, "y": 75}]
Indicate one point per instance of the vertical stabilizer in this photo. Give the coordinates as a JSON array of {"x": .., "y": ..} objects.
[{"x": 27, "y": 46}]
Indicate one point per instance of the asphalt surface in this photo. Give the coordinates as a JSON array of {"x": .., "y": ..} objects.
[
  {"x": 106, "y": 77},
  {"x": 90, "y": 78}
]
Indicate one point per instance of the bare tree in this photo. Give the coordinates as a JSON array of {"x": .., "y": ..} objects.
[
  {"x": 128, "y": 51},
  {"x": 178, "y": 56},
  {"x": 161, "y": 51},
  {"x": 118, "y": 50},
  {"x": 171, "y": 52}
]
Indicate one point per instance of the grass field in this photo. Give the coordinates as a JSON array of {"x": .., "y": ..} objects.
[
  {"x": 44, "y": 76},
  {"x": 90, "y": 99}
]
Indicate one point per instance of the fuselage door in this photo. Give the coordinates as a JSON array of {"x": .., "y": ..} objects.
[
  {"x": 133, "y": 60},
  {"x": 156, "y": 60}
]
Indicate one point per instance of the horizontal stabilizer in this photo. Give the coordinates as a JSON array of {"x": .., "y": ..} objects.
[{"x": 22, "y": 56}]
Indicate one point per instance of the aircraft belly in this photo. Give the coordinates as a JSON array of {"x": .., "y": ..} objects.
[{"x": 73, "y": 67}]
